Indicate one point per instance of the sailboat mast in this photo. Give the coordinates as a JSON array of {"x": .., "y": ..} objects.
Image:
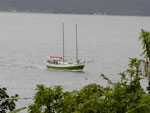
[
  {"x": 63, "y": 43},
  {"x": 77, "y": 61}
]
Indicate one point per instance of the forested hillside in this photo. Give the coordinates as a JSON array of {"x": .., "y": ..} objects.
[{"x": 113, "y": 7}]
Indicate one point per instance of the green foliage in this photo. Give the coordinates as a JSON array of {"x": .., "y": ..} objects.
[
  {"x": 18, "y": 110},
  {"x": 144, "y": 108},
  {"x": 120, "y": 97},
  {"x": 46, "y": 99},
  {"x": 105, "y": 78},
  {"x": 7, "y": 103},
  {"x": 145, "y": 38}
]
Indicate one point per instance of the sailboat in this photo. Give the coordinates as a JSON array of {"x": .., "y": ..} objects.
[{"x": 60, "y": 63}]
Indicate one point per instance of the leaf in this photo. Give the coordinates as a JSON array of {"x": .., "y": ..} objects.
[
  {"x": 145, "y": 108},
  {"x": 18, "y": 110},
  {"x": 108, "y": 80}
]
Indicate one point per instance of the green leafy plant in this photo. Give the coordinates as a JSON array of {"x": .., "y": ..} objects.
[
  {"x": 119, "y": 97},
  {"x": 46, "y": 99},
  {"x": 145, "y": 38},
  {"x": 7, "y": 103},
  {"x": 18, "y": 110}
]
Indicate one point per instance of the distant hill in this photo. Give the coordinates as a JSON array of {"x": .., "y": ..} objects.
[{"x": 111, "y": 7}]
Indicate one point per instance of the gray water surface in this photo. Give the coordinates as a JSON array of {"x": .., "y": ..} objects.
[{"x": 27, "y": 39}]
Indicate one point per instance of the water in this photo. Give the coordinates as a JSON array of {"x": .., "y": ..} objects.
[{"x": 26, "y": 40}]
